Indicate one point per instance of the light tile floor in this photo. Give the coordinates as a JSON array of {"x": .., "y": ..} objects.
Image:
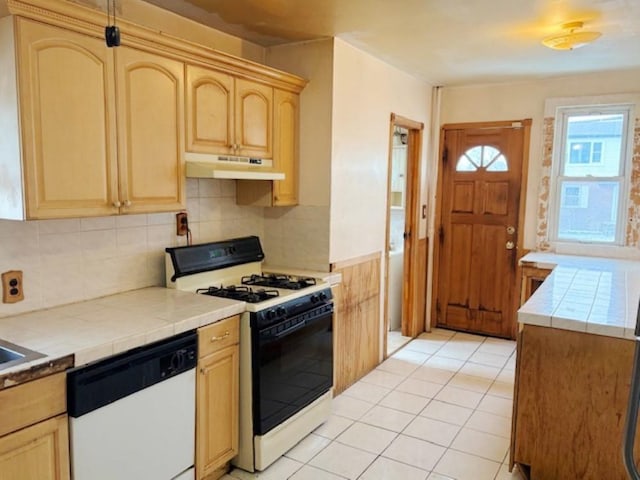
[
  {"x": 395, "y": 341},
  {"x": 438, "y": 409}
]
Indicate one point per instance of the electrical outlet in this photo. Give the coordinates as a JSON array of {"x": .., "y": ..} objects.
[
  {"x": 182, "y": 224},
  {"x": 12, "y": 291}
]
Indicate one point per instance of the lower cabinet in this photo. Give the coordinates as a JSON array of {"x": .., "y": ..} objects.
[
  {"x": 39, "y": 452},
  {"x": 34, "y": 435},
  {"x": 217, "y": 398}
]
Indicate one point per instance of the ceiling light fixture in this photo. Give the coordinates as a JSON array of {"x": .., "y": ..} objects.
[{"x": 571, "y": 38}]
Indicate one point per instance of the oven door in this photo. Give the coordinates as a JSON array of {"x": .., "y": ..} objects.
[{"x": 292, "y": 366}]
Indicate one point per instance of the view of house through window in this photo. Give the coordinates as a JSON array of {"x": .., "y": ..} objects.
[{"x": 590, "y": 166}]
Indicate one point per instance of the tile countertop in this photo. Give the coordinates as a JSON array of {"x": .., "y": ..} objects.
[
  {"x": 586, "y": 294},
  {"x": 332, "y": 278},
  {"x": 98, "y": 328}
]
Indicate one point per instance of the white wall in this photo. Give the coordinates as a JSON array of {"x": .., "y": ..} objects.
[
  {"x": 512, "y": 101},
  {"x": 366, "y": 91}
]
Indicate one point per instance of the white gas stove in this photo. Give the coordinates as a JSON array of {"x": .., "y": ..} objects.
[{"x": 286, "y": 345}]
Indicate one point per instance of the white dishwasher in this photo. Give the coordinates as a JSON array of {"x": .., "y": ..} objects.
[{"x": 132, "y": 416}]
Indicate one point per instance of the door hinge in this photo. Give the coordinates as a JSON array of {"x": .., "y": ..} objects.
[
  {"x": 441, "y": 233},
  {"x": 445, "y": 155}
]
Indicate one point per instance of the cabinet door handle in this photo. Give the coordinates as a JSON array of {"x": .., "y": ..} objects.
[
  {"x": 127, "y": 203},
  {"x": 117, "y": 204},
  {"x": 221, "y": 337}
]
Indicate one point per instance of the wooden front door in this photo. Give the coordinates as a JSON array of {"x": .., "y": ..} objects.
[{"x": 478, "y": 232}]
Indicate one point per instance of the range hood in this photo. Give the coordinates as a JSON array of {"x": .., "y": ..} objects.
[{"x": 230, "y": 167}]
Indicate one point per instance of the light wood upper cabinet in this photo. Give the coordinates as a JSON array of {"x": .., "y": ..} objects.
[
  {"x": 39, "y": 452},
  {"x": 209, "y": 113},
  {"x": 70, "y": 154},
  {"x": 286, "y": 126},
  {"x": 68, "y": 125},
  {"x": 86, "y": 130},
  {"x": 217, "y": 397},
  {"x": 253, "y": 119},
  {"x": 150, "y": 131},
  {"x": 276, "y": 193},
  {"x": 228, "y": 116}
]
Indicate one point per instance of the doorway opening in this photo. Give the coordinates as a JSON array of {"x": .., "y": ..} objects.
[
  {"x": 396, "y": 215},
  {"x": 405, "y": 265}
]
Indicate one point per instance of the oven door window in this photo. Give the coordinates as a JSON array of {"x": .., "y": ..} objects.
[{"x": 290, "y": 371}]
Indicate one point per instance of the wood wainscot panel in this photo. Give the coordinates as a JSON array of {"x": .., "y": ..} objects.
[
  {"x": 357, "y": 320},
  {"x": 416, "y": 322},
  {"x": 571, "y": 399}
]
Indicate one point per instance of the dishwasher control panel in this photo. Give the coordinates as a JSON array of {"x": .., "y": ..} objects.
[
  {"x": 178, "y": 361},
  {"x": 100, "y": 383}
]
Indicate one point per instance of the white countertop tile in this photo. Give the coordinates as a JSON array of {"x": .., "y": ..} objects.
[
  {"x": 586, "y": 294},
  {"x": 98, "y": 328},
  {"x": 332, "y": 278}
]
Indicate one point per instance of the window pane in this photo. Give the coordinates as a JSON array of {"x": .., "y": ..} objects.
[
  {"x": 465, "y": 165},
  {"x": 594, "y": 145},
  {"x": 588, "y": 211},
  {"x": 475, "y": 155},
  {"x": 489, "y": 154},
  {"x": 498, "y": 165},
  {"x": 482, "y": 156}
]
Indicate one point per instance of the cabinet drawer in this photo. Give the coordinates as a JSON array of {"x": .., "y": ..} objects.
[
  {"x": 32, "y": 402},
  {"x": 218, "y": 335}
]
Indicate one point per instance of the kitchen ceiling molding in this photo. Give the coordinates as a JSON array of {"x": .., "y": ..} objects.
[{"x": 91, "y": 22}]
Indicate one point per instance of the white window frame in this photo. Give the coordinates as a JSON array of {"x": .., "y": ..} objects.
[{"x": 559, "y": 155}]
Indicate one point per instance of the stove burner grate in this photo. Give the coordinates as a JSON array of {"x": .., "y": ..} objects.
[
  {"x": 279, "y": 281},
  {"x": 240, "y": 292}
]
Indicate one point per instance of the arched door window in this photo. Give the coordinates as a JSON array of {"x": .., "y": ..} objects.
[{"x": 483, "y": 156}]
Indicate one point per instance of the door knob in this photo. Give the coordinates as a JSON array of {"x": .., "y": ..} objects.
[
  {"x": 511, "y": 230},
  {"x": 510, "y": 245}
]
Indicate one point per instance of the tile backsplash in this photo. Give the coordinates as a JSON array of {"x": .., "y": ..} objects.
[
  {"x": 71, "y": 260},
  {"x": 297, "y": 237}
]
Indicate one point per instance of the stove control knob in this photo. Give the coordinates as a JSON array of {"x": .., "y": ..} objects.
[
  {"x": 314, "y": 299},
  {"x": 281, "y": 311},
  {"x": 323, "y": 296},
  {"x": 271, "y": 314}
]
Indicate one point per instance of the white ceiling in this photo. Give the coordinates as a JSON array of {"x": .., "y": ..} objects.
[{"x": 446, "y": 42}]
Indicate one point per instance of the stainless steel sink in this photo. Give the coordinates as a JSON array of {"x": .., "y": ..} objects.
[{"x": 12, "y": 354}]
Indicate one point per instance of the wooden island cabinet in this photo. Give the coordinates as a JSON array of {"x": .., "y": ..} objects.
[{"x": 570, "y": 402}]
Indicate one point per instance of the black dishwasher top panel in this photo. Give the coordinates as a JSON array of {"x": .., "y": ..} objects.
[{"x": 103, "y": 382}]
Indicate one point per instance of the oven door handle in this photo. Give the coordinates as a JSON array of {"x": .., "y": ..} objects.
[{"x": 289, "y": 330}]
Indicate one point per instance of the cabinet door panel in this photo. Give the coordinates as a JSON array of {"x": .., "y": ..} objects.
[
  {"x": 39, "y": 452},
  {"x": 253, "y": 119},
  {"x": 217, "y": 410},
  {"x": 68, "y": 122},
  {"x": 209, "y": 111},
  {"x": 150, "y": 124},
  {"x": 285, "y": 148}
]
